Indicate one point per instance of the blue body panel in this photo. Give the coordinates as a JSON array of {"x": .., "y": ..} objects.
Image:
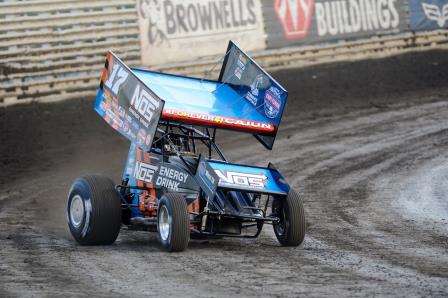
[{"x": 128, "y": 174}]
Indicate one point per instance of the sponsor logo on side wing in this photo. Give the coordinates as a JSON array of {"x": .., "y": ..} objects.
[
  {"x": 435, "y": 13},
  {"x": 125, "y": 126},
  {"x": 141, "y": 136},
  {"x": 145, "y": 105},
  {"x": 121, "y": 112},
  {"x": 135, "y": 125},
  {"x": 272, "y": 102},
  {"x": 242, "y": 179},
  {"x": 252, "y": 95},
  {"x": 240, "y": 66}
]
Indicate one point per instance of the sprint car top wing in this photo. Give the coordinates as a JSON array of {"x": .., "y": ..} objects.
[{"x": 245, "y": 98}]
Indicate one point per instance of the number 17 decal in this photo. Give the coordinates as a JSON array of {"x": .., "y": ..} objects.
[{"x": 116, "y": 78}]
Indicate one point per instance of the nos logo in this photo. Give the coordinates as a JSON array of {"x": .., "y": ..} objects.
[
  {"x": 243, "y": 179},
  {"x": 144, "y": 103},
  {"x": 144, "y": 171}
]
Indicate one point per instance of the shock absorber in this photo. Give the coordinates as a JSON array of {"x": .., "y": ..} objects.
[{"x": 204, "y": 218}]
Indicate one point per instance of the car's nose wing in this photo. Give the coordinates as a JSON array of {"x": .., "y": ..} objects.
[{"x": 213, "y": 175}]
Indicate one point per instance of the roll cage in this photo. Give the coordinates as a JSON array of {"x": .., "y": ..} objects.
[{"x": 185, "y": 137}]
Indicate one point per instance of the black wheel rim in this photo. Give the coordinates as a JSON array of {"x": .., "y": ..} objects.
[{"x": 281, "y": 226}]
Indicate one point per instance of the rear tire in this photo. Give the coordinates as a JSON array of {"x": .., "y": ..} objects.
[
  {"x": 173, "y": 223},
  {"x": 94, "y": 210},
  {"x": 290, "y": 231}
]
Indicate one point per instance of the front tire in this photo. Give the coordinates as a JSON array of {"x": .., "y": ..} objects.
[
  {"x": 94, "y": 210},
  {"x": 173, "y": 223},
  {"x": 290, "y": 230}
]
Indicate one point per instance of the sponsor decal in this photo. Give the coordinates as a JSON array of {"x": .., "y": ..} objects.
[
  {"x": 135, "y": 125},
  {"x": 242, "y": 179},
  {"x": 131, "y": 135},
  {"x": 125, "y": 126},
  {"x": 148, "y": 140},
  {"x": 295, "y": 16},
  {"x": 116, "y": 78},
  {"x": 115, "y": 120},
  {"x": 436, "y": 13},
  {"x": 218, "y": 120},
  {"x": 252, "y": 95},
  {"x": 170, "y": 178},
  {"x": 144, "y": 171},
  {"x": 121, "y": 112},
  {"x": 207, "y": 178},
  {"x": 128, "y": 117},
  {"x": 240, "y": 66},
  {"x": 144, "y": 104},
  {"x": 108, "y": 99},
  {"x": 141, "y": 136},
  {"x": 272, "y": 102},
  {"x": 103, "y": 104}
]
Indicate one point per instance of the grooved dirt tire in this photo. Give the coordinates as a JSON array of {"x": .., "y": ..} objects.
[
  {"x": 94, "y": 210},
  {"x": 173, "y": 223},
  {"x": 290, "y": 231}
]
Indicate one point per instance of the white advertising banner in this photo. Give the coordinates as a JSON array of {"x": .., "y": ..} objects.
[{"x": 185, "y": 30}]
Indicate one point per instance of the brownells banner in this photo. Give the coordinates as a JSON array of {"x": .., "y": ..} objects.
[{"x": 184, "y": 30}]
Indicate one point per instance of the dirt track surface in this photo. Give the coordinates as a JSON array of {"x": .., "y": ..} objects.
[{"x": 365, "y": 143}]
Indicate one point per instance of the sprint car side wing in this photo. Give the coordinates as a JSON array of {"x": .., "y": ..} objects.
[
  {"x": 256, "y": 87},
  {"x": 127, "y": 104}
]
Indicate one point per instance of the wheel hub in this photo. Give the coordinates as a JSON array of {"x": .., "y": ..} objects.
[
  {"x": 280, "y": 226},
  {"x": 76, "y": 211},
  {"x": 164, "y": 223}
]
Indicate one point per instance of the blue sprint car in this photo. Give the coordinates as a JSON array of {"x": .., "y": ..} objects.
[{"x": 177, "y": 181}]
